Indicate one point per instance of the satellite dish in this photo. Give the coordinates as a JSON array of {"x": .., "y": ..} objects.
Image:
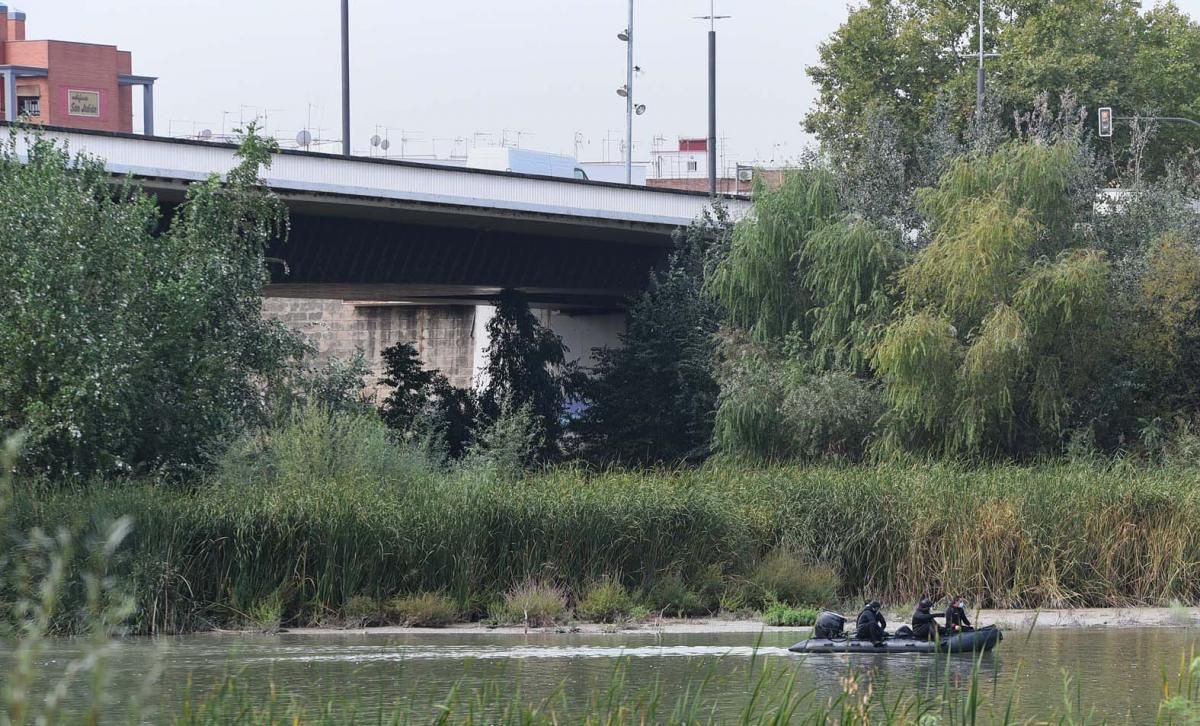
[
  {"x": 639, "y": 109},
  {"x": 385, "y": 144},
  {"x": 206, "y": 134},
  {"x": 375, "y": 140},
  {"x": 304, "y": 138}
]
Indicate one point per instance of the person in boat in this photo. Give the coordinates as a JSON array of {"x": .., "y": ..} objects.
[
  {"x": 871, "y": 624},
  {"x": 924, "y": 626},
  {"x": 956, "y": 616}
]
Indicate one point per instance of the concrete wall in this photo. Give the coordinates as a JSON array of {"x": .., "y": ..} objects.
[
  {"x": 442, "y": 334},
  {"x": 451, "y": 338}
]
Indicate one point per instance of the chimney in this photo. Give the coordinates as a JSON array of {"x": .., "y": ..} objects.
[
  {"x": 16, "y": 25},
  {"x": 3, "y": 24}
]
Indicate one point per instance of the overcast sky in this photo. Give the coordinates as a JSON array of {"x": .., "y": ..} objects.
[{"x": 438, "y": 70}]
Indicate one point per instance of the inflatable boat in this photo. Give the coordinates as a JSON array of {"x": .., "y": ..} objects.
[{"x": 972, "y": 641}]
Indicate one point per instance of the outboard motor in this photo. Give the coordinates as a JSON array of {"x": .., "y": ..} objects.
[{"x": 829, "y": 625}]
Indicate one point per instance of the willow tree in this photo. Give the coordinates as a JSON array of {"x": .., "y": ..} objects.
[
  {"x": 1000, "y": 335},
  {"x": 804, "y": 290}
]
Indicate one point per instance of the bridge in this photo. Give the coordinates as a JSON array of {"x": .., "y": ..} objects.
[{"x": 382, "y": 249}]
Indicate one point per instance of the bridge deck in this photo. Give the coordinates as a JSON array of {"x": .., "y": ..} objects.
[{"x": 428, "y": 193}]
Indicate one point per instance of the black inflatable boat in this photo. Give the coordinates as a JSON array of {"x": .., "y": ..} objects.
[{"x": 973, "y": 641}]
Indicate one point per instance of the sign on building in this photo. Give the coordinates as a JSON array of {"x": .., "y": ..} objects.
[{"x": 83, "y": 103}]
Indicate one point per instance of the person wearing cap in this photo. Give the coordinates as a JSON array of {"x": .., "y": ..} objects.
[
  {"x": 924, "y": 627},
  {"x": 871, "y": 624}
]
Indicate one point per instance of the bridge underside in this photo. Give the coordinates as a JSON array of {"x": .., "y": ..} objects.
[{"x": 378, "y": 260}]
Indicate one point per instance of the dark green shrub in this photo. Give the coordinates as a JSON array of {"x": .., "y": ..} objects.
[{"x": 671, "y": 596}]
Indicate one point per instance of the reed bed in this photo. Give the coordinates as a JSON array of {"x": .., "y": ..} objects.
[{"x": 301, "y": 541}]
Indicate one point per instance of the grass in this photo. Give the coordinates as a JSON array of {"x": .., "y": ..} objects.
[
  {"x": 424, "y": 610},
  {"x": 532, "y": 603},
  {"x": 316, "y": 516},
  {"x": 779, "y": 614}
]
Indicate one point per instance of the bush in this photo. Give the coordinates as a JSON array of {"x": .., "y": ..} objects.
[
  {"x": 425, "y": 610},
  {"x": 536, "y": 604},
  {"x": 606, "y": 601},
  {"x": 362, "y": 611},
  {"x": 786, "y": 578},
  {"x": 780, "y": 615},
  {"x": 671, "y": 596}
]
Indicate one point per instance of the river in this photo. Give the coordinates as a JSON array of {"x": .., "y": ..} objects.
[{"x": 1116, "y": 672}]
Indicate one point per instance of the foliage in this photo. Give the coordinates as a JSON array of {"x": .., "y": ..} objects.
[
  {"x": 758, "y": 283},
  {"x": 423, "y": 610},
  {"x": 129, "y": 343},
  {"x": 526, "y": 367},
  {"x": 780, "y": 615},
  {"x": 672, "y": 596},
  {"x": 605, "y": 601},
  {"x": 424, "y": 403},
  {"x": 786, "y": 577},
  {"x": 536, "y": 604},
  {"x": 362, "y": 611},
  {"x": 653, "y": 399},
  {"x": 773, "y": 407},
  {"x": 999, "y": 342},
  {"x": 1166, "y": 324},
  {"x": 904, "y": 58},
  {"x": 404, "y": 373}
]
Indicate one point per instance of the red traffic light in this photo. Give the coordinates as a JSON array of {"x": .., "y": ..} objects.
[{"x": 1106, "y": 122}]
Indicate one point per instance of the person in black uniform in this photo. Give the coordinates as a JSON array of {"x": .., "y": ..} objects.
[
  {"x": 924, "y": 627},
  {"x": 871, "y": 624},
  {"x": 956, "y": 616}
]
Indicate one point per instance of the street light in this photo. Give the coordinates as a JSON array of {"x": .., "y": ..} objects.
[
  {"x": 626, "y": 92},
  {"x": 712, "y": 19},
  {"x": 979, "y": 78}
]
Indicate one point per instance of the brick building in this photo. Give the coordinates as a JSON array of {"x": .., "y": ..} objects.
[{"x": 62, "y": 83}]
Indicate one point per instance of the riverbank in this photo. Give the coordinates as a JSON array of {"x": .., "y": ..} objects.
[
  {"x": 304, "y": 542},
  {"x": 1012, "y": 620}
]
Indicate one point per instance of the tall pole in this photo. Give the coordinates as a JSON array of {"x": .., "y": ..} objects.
[
  {"x": 979, "y": 78},
  {"x": 629, "y": 102},
  {"x": 346, "y": 77},
  {"x": 712, "y": 109}
]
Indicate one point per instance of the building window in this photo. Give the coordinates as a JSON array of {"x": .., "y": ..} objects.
[
  {"x": 29, "y": 106},
  {"x": 692, "y": 165}
]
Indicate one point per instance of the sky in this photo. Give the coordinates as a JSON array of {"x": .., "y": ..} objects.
[{"x": 434, "y": 75}]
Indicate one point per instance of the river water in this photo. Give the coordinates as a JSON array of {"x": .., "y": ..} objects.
[{"x": 1116, "y": 674}]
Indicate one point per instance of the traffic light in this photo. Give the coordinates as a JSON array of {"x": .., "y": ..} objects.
[{"x": 1106, "y": 122}]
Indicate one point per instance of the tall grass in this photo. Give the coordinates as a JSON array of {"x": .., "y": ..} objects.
[{"x": 326, "y": 509}]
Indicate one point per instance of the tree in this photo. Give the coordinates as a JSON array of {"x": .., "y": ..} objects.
[
  {"x": 526, "y": 367},
  {"x": 129, "y": 344},
  {"x": 424, "y": 401},
  {"x": 904, "y": 57},
  {"x": 999, "y": 343},
  {"x": 804, "y": 290},
  {"x": 653, "y": 399}
]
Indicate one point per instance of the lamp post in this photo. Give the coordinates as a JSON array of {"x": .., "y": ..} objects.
[
  {"x": 346, "y": 77},
  {"x": 712, "y": 19},
  {"x": 627, "y": 92}
]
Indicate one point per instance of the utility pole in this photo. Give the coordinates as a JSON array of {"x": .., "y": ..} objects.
[
  {"x": 979, "y": 84},
  {"x": 712, "y": 19},
  {"x": 346, "y": 77}
]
